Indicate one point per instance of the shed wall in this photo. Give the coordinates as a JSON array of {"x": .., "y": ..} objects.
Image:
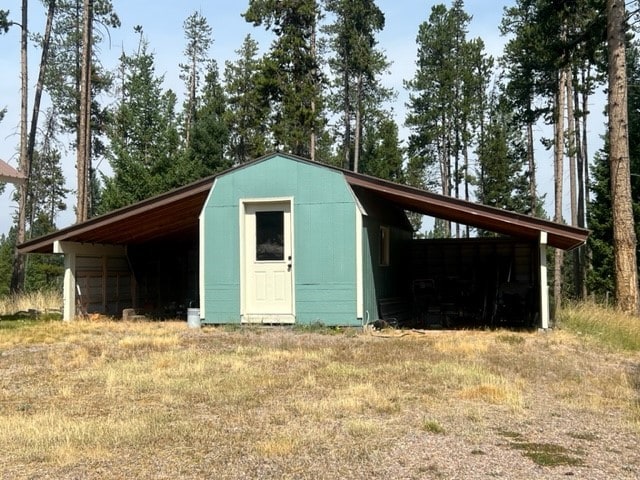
[
  {"x": 104, "y": 283},
  {"x": 324, "y": 257},
  {"x": 383, "y": 281}
]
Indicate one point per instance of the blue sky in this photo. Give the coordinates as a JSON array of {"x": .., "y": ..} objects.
[{"x": 162, "y": 22}]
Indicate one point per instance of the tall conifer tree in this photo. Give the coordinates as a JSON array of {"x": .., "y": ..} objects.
[
  {"x": 356, "y": 66},
  {"x": 246, "y": 112},
  {"x": 64, "y": 79},
  {"x": 624, "y": 236},
  {"x": 444, "y": 99},
  {"x": 206, "y": 152},
  {"x": 198, "y": 35},
  {"x": 291, "y": 72},
  {"x": 143, "y": 134}
]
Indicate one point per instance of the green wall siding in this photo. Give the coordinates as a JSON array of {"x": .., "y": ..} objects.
[
  {"x": 383, "y": 281},
  {"x": 222, "y": 260},
  {"x": 324, "y": 255}
]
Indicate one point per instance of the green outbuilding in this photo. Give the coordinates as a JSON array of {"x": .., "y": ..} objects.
[
  {"x": 284, "y": 240},
  {"x": 289, "y": 241}
]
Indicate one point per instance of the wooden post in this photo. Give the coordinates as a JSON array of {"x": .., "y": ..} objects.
[
  {"x": 543, "y": 284},
  {"x": 69, "y": 283}
]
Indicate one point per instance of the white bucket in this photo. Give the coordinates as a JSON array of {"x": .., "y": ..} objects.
[{"x": 193, "y": 317}]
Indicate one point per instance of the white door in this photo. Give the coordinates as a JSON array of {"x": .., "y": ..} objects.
[{"x": 268, "y": 266}]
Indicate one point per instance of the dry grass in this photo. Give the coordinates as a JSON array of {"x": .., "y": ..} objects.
[
  {"x": 40, "y": 301},
  {"x": 158, "y": 400},
  {"x": 603, "y": 325}
]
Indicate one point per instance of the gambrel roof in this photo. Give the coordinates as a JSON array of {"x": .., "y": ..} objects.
[{"x": 175, "y": 215}]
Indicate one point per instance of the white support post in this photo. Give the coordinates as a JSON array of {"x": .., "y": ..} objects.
[
  {"x": 544, "y": 285},
  {"x": 69, "y": 283}
]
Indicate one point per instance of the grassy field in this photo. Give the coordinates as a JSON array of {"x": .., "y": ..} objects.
[
  {"x": 14, "y": 306},
  {"x": 106, "y": 399}
]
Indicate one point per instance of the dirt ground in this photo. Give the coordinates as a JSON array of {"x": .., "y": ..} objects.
[{"x": 160, "y": 401}]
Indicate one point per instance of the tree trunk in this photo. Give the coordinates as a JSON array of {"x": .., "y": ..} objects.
[
  {"x": 347, "y": 121},
  {"x": 586, "y": 254},
  {"x": 445, "y": 167},
  {"x": 624, "y": 237},
  {"x": 573, "y": 184},
  {"x": 571, "y": 127},
  {"x": 466, "y": 180},
  {"x": 35, "y": 112},
  {"x": 558, "y": 174},
  {"x": 533, "y": 188},
  {"x": 585, "y": 143},
  {"x": 358, "y": 126},
  {"x": 312, "y": 136},
  {"x": 84, "y": 128},
  {"x": 18, "y": 273},
  {"x": 456, "y": 170},
  {"x": 581, "y": 280},
  {"x": 191, "y": 102}
]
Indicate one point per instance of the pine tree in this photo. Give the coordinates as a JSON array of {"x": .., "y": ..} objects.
[
  {"x": 547, "y": 64},
  {"x": 444, "y": 105},
  {"x": 198, "y": 35},
  {"x": 83, "y": 147},
  {"x": 64, "y": 79},
  {"x": 246, "y": 112},
  {"x": 356, "y": 66},
  {"x": 601, "y": 276},
  {"x": 502, "y": 176},
  {"x": 624, "y": 236},
  {"x": 47, "y": 190},
  {"x": 205, "y": 154},
  {"x": 546, "y": 36},
  {"x": 290, "y": 72},
  {"x": 18, "y": 272},
  {"x": 431, "y": 94},
  {"x": 44, "y": 61},
  {"x": 519, "y": 63},
  {"x": 382, "y": 155},
  {"x": 143, "y": 134},
  {"x": 27, "y": 135}
]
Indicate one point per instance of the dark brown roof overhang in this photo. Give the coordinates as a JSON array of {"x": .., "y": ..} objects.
[
  {"x": 8, "y": 174},
  {"x": 170, "y": 216},
  {"x": 472, "y": 214}
]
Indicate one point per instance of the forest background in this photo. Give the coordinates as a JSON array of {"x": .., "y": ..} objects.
[
  {"x": 162, "y": 23},
  {"x": 451, "y": 97}
]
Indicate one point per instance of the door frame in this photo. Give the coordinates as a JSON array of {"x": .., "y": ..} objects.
[{"x": 243, "y": 205}]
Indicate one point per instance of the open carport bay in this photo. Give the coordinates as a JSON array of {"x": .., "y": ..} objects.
[{"x": 475, "y": 282}]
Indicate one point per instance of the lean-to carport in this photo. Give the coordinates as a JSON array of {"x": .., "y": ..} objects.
[
  {"x": 517, "y": 226},
  {"x": 131, "y": 257}
]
